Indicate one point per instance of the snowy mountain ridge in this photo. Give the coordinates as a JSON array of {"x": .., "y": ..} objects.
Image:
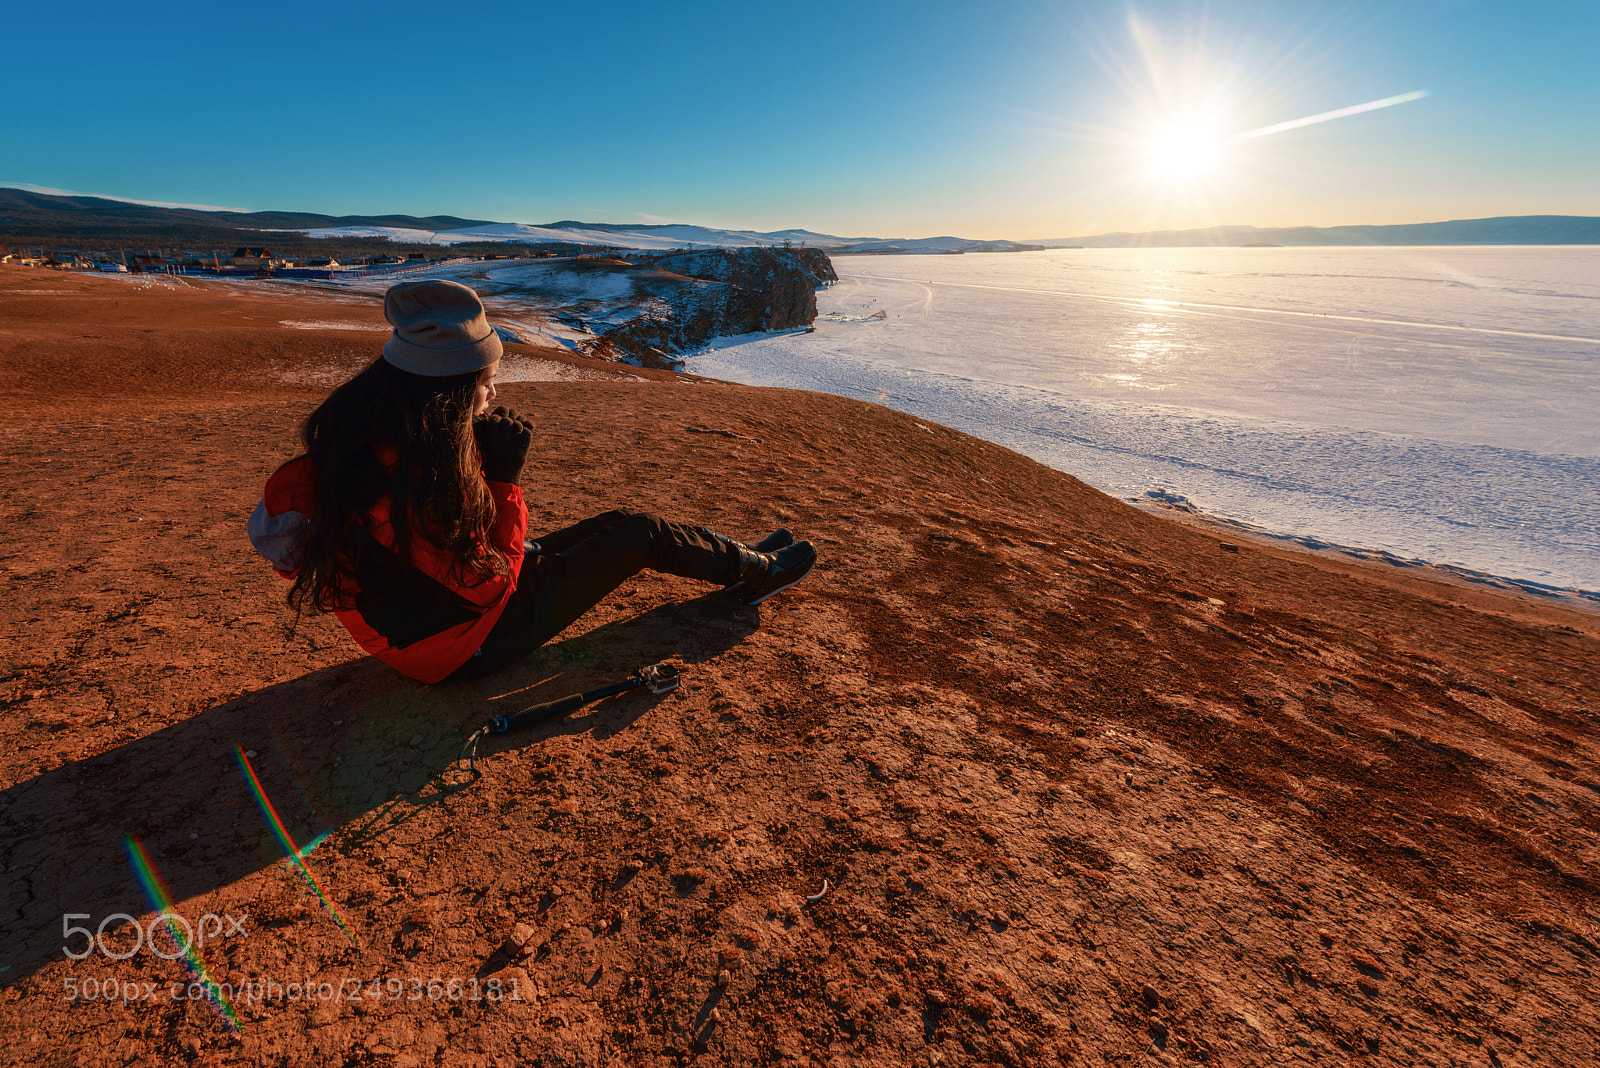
[{"x": 659, "y": 237}]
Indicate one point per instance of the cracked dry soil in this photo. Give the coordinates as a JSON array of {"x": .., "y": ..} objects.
[{"x": 1086, "y": 785}]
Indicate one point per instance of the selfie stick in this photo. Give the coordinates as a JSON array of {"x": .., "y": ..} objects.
[{"x": 657, "y": 678}]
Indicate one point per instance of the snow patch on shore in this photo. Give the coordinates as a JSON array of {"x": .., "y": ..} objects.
[{"x": 333, "y": 324}]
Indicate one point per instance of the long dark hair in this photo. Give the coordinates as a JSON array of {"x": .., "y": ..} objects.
[{"x": 438, "y": 492}]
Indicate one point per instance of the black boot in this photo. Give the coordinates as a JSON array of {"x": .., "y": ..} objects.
[
  {"x": 778, "y": 539},
  {"x": 763, "y": 574},
  {"x": 781, "y": 538}
]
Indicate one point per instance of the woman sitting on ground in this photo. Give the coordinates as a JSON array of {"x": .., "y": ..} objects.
[{"x": 405, "y": 519}]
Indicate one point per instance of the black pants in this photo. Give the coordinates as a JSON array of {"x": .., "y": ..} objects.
[{"x": 578, "y": 566}]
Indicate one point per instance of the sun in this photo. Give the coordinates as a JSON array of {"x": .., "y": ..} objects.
[{"x": 1185, "y": 152}]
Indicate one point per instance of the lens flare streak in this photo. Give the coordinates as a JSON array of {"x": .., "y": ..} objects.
[
  {"x": 1354, "y": 109},
  {"x": 161, "y": 900},
  {"x": 297, "y": 856}
]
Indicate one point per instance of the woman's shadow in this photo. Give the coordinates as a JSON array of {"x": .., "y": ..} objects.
[{"x": 354, "y": 748}]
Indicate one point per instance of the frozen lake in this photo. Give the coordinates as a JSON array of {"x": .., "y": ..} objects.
[{"x": 1440, "y": 404}]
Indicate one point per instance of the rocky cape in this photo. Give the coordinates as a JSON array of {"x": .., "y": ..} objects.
[{"x": 649, "y": 308}]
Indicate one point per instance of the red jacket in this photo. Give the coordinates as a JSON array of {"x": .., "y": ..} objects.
[{"x": 426, "y": 619}]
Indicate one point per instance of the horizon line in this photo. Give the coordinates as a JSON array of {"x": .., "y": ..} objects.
[{"x": 29, "y": 187}]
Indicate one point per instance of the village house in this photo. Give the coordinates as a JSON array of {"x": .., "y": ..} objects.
[{"x": 253, "y": 257}]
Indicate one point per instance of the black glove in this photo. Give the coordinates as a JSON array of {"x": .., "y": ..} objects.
[
  {"x": 511, "y": 414},
  {"x": 514, "y": 415},
  {"x": 503, "y": 440}
]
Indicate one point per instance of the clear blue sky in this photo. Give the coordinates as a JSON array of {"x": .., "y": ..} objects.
[{"x": 1007, "y": 118}]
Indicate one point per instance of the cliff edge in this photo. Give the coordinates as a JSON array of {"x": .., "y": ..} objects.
[{"x": 648, "y": 309}]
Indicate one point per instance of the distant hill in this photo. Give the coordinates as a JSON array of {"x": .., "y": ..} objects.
[
  {"x": 45, "y": 219},
  {"x": 1502, "y": 230},
  {"x": 70, "y": 216},
  {"x": 663, "y": 236}
]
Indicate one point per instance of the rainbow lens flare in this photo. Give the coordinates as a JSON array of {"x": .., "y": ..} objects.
[
  {"x": 297, "y": 856},
  {"x": 161, "y": 900}
]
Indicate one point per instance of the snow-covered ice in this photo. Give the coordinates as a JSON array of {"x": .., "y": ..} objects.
[{"x": 1432, "y": 403}]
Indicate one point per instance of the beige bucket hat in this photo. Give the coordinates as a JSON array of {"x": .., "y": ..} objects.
[{"x": 440, "y": 329}]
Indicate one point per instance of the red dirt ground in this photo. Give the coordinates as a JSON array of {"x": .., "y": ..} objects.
[{"x": 1086, "y": 785}]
